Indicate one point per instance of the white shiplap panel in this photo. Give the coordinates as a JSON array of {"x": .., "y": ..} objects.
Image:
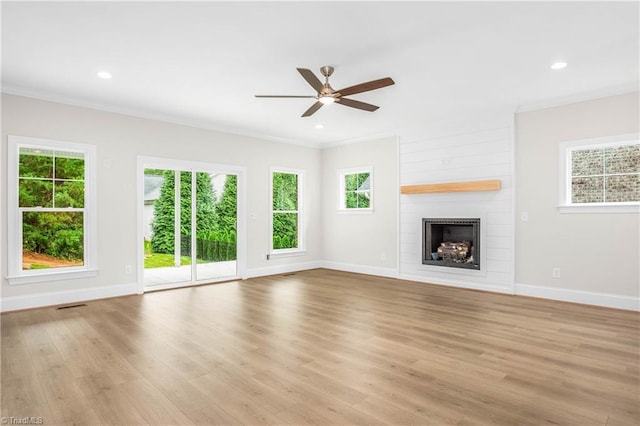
[
  {"x": 458, "y": 174},
  {"x": 497, "y": 242},
  {"x": 460, "y": 153},
  {"x": 499, "y": 254},
  {"x": 467, "y": 161},
  {"x": 454, "y": 140},
  {"x": 444, "y": 152}
]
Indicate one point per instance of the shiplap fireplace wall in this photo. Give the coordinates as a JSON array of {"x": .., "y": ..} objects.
[{"x": 473, "y": 150}]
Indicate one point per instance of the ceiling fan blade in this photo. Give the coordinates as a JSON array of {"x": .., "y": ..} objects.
[
  {"x": 357, "y": 104},
  {"x": 312, "y": 109},
  {"x": 285, "y": 96},
  {"x": 311, "y": 78},
  {"x": 365, "y": 87}
]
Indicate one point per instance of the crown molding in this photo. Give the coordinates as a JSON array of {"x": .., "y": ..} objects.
[
  {"x": 27, "y": 93},
  {"x": 581, "y": 97}
]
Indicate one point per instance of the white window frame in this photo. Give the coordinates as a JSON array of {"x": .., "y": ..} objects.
[
  {"x": 15, "y": 274},
  {"x": 301, "y": 249},
  {"x": 342, "y": 173},
  {"x": 566, "y": 148}
]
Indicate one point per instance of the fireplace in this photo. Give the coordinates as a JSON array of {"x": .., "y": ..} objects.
[{"x": 451, "y": 242}]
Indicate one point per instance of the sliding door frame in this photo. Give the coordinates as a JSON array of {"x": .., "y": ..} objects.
[{"x": 146, "y": 162}]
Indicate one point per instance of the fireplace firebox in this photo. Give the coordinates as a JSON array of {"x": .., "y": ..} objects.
[{"x": 451, "y": 242}]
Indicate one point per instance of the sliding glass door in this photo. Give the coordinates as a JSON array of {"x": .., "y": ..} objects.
[{"x": 190, "y": 232}]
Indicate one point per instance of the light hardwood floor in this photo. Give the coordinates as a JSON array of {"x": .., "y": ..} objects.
[{"x": 324, "y": 348}]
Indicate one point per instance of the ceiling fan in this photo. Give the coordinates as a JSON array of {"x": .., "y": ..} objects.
[{"x": 327, "y": 95}]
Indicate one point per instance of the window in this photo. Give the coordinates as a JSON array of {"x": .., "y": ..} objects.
[
  {"x": 601, "y": 174},
  {"x": 51, "y": 210},
  {"x": 355, "y": 190},
  {"x": 286, "y": 201}
]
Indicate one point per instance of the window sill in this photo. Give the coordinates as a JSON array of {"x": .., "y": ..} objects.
[
  {"x": 355, "y": 211},
  {"x": 591, "y": 208},
  {"x": 285, "y": 253},
  {"x": 52, "y": 276}
]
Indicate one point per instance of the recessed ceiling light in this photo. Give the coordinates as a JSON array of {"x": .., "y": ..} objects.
[
  {"x": 319, "y": 126},
  {"x": 104, "y": 74},
  {"x": 558, "y": 65}
]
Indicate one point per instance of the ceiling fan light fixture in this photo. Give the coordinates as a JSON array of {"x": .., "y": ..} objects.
[{"x": 326, "y": 100}]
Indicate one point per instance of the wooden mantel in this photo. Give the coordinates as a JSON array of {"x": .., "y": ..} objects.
[{"x": 429, "y": 188}]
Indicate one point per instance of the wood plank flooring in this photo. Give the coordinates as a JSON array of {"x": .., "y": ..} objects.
[{"x": 322, "y": 347}]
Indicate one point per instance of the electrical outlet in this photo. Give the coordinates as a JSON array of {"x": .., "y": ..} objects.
[
  {"x": 555, "y": 273},
  {"x": 524, "y": 216},
  {"x": 383, "y": 256},
  {"x": 128, "y": 269}
]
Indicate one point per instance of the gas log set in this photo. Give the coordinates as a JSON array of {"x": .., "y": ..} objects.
[{"x": 456, "y": 251}]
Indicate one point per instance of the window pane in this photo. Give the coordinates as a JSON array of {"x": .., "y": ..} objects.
[
  {"x": 623, "y": 159},
  {"x": 69, "y": 194},
  {"x": 36, "y": 163},
  {"x": 35, "y": 193},
  {"x": 623, "y": 188},
  {"x": 69, "y": 168},
  {"x": 285, "y": 230},
  {"x": 351, "y": 182},
  {"x": 363, "y": 200},
  {"x": 587, "y": 190},
  {"x": 587, "y": 162},
  {"x": 351, "y": 200},
  {"x": 363, "y": 183},
  {"x": 52, "y": 239},
  {"x": 285, "y": 191}
]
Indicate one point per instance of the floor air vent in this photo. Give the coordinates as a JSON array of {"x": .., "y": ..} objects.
[{"x": 71, "y": 306}]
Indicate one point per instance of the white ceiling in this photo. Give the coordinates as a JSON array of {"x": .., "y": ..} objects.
[{"x": 201, "y": 63}]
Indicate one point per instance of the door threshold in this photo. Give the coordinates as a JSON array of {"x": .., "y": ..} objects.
[{"x": 171, "y": 286}]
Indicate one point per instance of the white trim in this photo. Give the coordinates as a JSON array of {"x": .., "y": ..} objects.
[
  {"x": 617, "y": 301},
  {"x": 194, "y": 166},
  {"x": 564, "y": 177},
  {"x": 600, "y": 208},
  {"x": 301, "y": 249},
  {"x": 495, "y": 288},
  {"x": 183, "y": 284},
  {"x": 29, "y": 301},
  {"x": 282, "y": 269},
  {"x": 278, "y": 254},
  {"x": 15, "y": 274},
  {"x": 360, "y": 269},
  {"x": 342, "y": 173},
  {"x": 181, "y": 121},
  {"x": 589, "y": 96},
  {"x": 59, "y": 275}
]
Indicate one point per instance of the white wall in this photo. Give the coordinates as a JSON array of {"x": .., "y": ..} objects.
[
  {"x": 476, "y": 149},
  {"x": 362, "y": 242},
  {"x": 119, "y": 140},
  {"x": 598, "y": 254}
]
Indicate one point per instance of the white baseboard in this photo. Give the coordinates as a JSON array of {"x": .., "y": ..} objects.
[
  {"x": 495, "y": 288},
  {"x": 360, "y": 269},
  {"x": 281, "y": 269},
  {"x": 630, "y": 303},
  {"x": 575, "y": 296},
  {"x": 15, "y": 303}
]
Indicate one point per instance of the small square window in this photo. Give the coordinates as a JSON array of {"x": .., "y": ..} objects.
[{"x": 355, "y": 190}]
